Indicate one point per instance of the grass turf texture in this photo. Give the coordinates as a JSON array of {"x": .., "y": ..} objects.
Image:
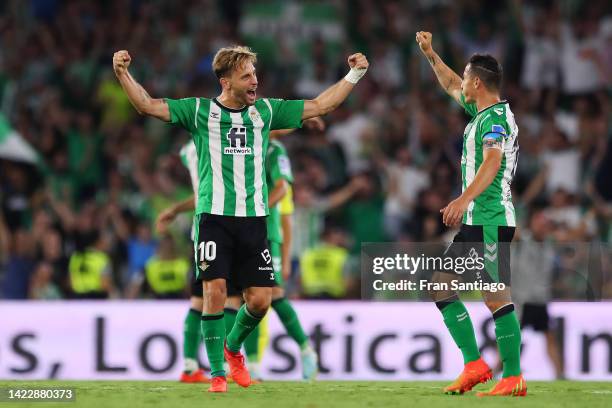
[{"x": 136, "y": 394}]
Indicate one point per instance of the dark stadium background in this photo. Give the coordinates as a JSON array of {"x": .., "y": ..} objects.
[{"x": 386, "y": 163}]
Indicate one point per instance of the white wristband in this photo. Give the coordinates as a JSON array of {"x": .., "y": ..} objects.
[{"x": 355, "y": 74}]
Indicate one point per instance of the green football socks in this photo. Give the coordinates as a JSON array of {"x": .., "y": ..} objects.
[
  {"x": 246, "y": 321},
  {"x": 229, "y": 319},
  {"x": 508, "y": 335},
  {"x": 459, "y": 324},
  {"x": 213, "y": 333},
  {"x": 191, "y": 340},
  {"x": 251, "y": 345},
  {"x": 287, "y": 315}
]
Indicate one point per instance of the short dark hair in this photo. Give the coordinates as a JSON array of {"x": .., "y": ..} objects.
[{"x": 486, "y": 67}]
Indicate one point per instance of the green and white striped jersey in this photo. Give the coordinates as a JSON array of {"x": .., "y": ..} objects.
[
  {"x": 278, "y": 167},
  {"x": 189, "y": 158},
  {"x": 495, "y": 123},
  {"x": 231, "y": 146}
]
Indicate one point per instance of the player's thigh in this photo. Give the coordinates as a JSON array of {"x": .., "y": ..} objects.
[
  {"x": 252, "y": 259},
  {"x": 441, "y": 287},
  {"x": 496, "y": 253},
  {"x": 213, "y": 247}
]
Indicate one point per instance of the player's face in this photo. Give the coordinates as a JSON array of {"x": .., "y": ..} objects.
[
  {"x": 468, "y": 85},
  {"x": 243, "y": 84}
]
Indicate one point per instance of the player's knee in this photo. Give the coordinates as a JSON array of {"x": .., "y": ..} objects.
[
  {"x": 495, "y": 304},
  {"x": 259, "y": 301},
  {"x": 214, "y": 294}
]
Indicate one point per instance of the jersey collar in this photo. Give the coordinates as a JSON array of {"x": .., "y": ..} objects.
[
  {"x": 490, "y": 106},
  {"x": 230, "y": 109}
]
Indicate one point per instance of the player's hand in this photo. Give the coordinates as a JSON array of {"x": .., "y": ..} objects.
[
  {"x": 315, "y": 123},
  {"x": 164, "y": 219},
  {"x": 453, "y": 212},
  {"x": 358, "y": 61},
  {"x": 423, "y": 38},
  {"x": 121, "y": 62}
]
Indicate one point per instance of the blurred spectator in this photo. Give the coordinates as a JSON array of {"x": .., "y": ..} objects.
[
  {"x": 42, "y": 286},
  {"x": 405, "y": 182},
  {"x": 533, "y": 260},
  {"x": 325, "y": 268},
  {"x": 90, "y": 270},
  {"x": 165, "y": 275},
  {"x": 19, "y": 266}
]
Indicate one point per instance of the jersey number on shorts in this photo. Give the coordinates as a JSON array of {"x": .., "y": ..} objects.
[{"x": 207, "y": 251}]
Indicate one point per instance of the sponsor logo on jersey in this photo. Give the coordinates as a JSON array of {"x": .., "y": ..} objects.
[
  {"x": 240, "y": 151},
  {"x": 237, "y": 137}
]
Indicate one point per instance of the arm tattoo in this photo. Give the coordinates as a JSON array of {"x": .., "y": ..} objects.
[{"x": 432, "y": 60}]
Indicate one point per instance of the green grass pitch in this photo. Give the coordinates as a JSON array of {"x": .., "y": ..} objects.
[{"x": 324, "y": 394}]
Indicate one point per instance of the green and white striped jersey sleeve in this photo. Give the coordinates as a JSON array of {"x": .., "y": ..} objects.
[{"x": 286, "y": 114}]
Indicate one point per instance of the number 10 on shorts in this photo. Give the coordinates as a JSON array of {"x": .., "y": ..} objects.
[{"x": 207, "y": 251}]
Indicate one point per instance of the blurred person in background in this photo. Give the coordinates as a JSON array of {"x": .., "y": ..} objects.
[
  {"x": 90, "y": 269},
  {"x": 42, "y": 286},
  {"x": 165, "y": 274},
  {"x": 533, "y": 259},
  {"x": 54, "y": 260},
  {"x": 19, "y": 266},
  {"x": 140, "y": 246},
  {"x": 325, "y": 268},
  {"x": 405, "y": 182}
]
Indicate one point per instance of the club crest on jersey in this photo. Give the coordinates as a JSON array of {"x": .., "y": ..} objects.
[
  {"x": 254, "y": 115},
  {"x": 237, "y": 138}
]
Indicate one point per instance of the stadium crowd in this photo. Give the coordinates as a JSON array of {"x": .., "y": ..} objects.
[{"x": 386, "y": 163}]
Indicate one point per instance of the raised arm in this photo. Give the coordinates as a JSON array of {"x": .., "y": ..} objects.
[
  {"x": 138, "y": 96},
  {"x": 169, "y": 214},
  {"x": 448, "y": 79},
  {"x": 333, "y": 96}
]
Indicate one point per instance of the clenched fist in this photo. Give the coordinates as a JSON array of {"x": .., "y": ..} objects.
[
  {"x": 423, "y": 38},
  {"x": 121, "y": 62},
  {"x": 358, "y": 61}
]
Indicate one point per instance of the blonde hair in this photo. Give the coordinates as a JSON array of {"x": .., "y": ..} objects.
[{"x": 227, "y": 59}]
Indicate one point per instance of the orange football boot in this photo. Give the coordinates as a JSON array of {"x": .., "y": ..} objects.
[
  {"x": 197, "y": 376},
  {"x": 238, "y": 371},
  {"x": 474, "y": 373},
  {"x": 218, "y": 384},
  {"x": 514, "y": 386}
]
